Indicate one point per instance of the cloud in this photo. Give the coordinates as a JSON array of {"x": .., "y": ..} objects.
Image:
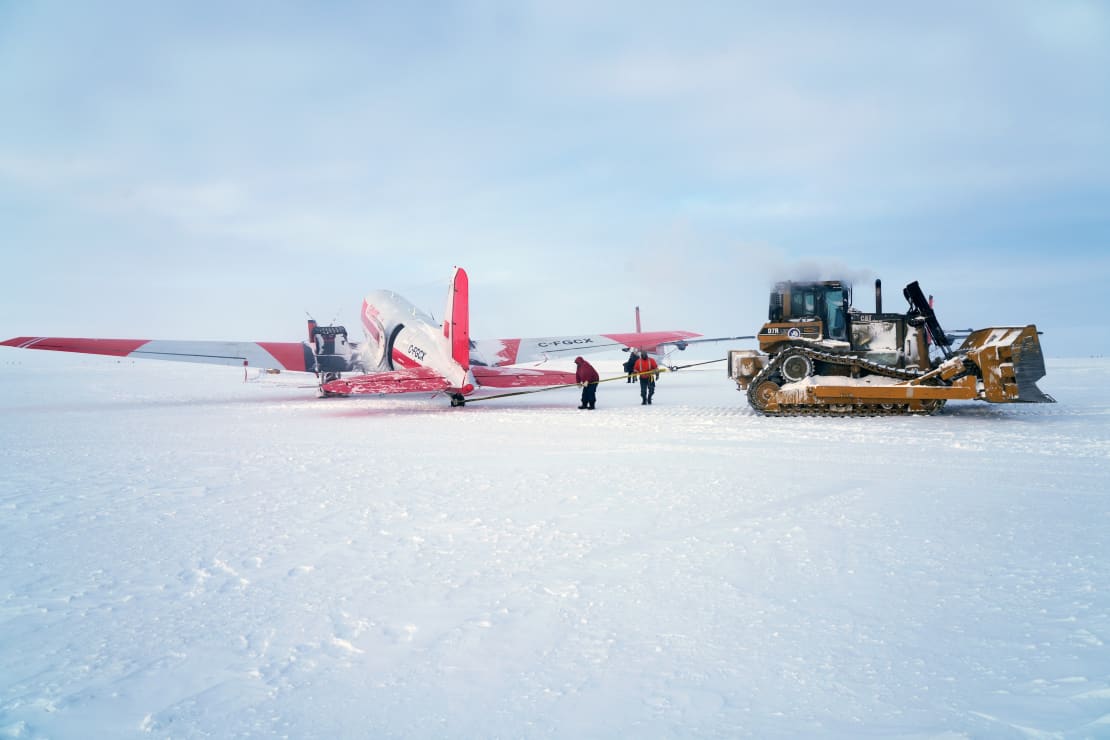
[
  {"x": 52, "y": 173},
  {"x": 909, "y": 99},
  {"x": 1072, "y": 27},
  {"x": 620, "y": 154}
]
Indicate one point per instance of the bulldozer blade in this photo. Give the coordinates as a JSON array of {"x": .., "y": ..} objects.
[{"x": 1010, "y": 363}]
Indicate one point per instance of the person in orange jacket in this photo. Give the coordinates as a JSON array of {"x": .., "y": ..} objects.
[
  {"x": 647, "y": 369},
  {"x": 588, "y": 378}
]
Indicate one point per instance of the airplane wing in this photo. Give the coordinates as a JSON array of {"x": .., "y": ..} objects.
[
  {"x": 500, "y": 352},
  {"x": 288, "y": 355},
  {"x": 520, "y": 377}
]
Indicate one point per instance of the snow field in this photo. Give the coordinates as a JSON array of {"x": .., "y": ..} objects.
[{"x": 188, "y": 555}]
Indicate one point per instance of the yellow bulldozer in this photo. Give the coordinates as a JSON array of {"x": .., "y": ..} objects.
[{"x": 820, "y": 356}]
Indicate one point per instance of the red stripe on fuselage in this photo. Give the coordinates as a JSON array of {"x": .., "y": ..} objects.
[
  {"x": 371, "y": 327},
  {"x": 403, "y": 361}
]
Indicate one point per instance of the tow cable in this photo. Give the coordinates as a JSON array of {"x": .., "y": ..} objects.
[{"x": 623, "y": 376}]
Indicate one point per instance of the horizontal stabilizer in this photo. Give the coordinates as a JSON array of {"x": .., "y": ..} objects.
[
  {"x": 519, "y": 377},
  {"x": 412, "y": 380}
]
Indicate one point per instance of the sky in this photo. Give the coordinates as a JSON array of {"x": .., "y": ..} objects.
[{"x": 208, "y": 170}]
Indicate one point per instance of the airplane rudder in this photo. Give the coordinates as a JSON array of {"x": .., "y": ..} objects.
[{"x": 456, "y": 323}]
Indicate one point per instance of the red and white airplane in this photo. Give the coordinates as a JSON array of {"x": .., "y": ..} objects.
[{"x": 405, "y": 351}]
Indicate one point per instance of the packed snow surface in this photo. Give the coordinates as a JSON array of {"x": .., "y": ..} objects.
[{"x": 188, "y": 555}]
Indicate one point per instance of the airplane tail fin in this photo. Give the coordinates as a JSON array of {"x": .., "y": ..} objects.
[{"x": 456, "y": 318}]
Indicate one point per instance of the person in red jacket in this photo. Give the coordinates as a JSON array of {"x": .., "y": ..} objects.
[
  {"x": 588, "y": 378},
  {"x": 647, "y": 369}
]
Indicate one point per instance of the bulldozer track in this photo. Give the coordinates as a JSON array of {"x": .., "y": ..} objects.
[{"x": 759, "y": 394}]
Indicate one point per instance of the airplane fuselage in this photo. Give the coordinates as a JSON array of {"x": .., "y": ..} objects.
[{"x": 399, "y": 336}]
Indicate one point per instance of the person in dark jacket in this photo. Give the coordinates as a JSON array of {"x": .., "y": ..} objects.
[
  {"x": 629, "y": 364},
  {"x": 647, "y": 368},
  {"x": 588, "y": 378}
]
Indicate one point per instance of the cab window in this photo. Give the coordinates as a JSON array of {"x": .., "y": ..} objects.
[{"x": 836, "y": 301}]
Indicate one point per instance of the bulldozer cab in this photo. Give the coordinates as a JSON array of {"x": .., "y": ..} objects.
[{"x": 826, "y": 301}]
